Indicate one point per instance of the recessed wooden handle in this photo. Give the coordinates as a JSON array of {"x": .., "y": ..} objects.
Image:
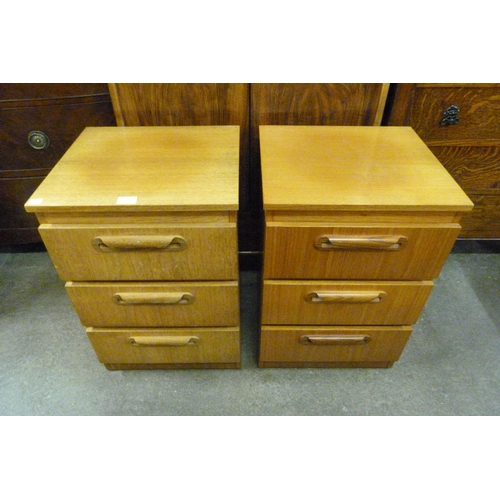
[
  {"x": 335, "y": 339},
  {"x": 371, "y": 242},
  {"x": 128, "y": 243},
  {"x": 153, "y": 298},
  {"x": 345, "y": 297},
  {"x": 155, "y": 341}
]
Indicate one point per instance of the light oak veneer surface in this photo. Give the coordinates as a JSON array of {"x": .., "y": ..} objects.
[
  {"x": 155, "y": 168},
  {"x": 353, "y": 168}
]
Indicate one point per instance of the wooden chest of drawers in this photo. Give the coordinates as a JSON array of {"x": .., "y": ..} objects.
[
  {"x": 359, "y": 221},
  {"x": 141, "y": 223}
]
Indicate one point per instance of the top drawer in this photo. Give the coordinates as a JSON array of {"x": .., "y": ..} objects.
[
  {"x": 139, "y": 252},
  {"x": 383, "y": 251},
  {"x": 56, "y": 126},
  {"x": 477, "y": 118}
]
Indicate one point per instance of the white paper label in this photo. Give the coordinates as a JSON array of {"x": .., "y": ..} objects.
[{"x": 126, "y": 200}]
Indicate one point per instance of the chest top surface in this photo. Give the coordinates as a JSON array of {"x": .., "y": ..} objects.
[
  {"x": 353, "y": 168},
  {"x": 145, "y": 168}
]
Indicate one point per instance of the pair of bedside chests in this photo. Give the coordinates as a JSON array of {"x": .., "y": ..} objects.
[{"x": 141, "y": 224}]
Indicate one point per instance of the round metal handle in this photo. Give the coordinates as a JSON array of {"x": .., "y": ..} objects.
[{"x": 38, "y": 140}]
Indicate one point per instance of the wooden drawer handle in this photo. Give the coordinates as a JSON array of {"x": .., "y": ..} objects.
[
  {"x": 345, "y": 297},
  {"x": 335, "y": 339},
  {"x": 127, "y": 243},
  {"x": 153, "y": 298},
  {"x": 163, "y": 341},
  {"x": 332, "y": 242}
]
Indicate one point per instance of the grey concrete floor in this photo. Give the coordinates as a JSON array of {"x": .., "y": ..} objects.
[{"x": 451, "y": 365}]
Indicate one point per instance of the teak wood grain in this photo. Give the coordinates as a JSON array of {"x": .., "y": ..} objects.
[
  {"x": 281, "y": 345},
  {"x": 188, "y": 104},
  {"x": 363, "y": 204},
  {"x": 290, "y": 252},
  {"x": 137, "y": 220},
  {"x": 354, "y": 168},
  {"x": 210, "y": 252},
  {"x": 213, "y": 304},
  {"x": 214, "y": 345},
  {"x": 144, "y": 168},
  {"x": 343, "y": 302}
]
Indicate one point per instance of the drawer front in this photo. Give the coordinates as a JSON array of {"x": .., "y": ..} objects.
[
  {"x": 119, "y": 252},
  {"x": 334, "y": 345},
  {"x": 343, "y": 303},
  {"x": 475, "y": 168},
  {"x": 484, "y": 220},
  {"x": 155, "y": 305},
  {"x": 381, "y": 252},
  {"x": 477, "y": 118},
  {"x": 59, "y": 124},
  {"x": 164, "y": 346}
]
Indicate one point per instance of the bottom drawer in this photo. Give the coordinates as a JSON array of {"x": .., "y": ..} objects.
[
  {"x": 144, "y": 346},
  {"x": 377, "y": 346}
]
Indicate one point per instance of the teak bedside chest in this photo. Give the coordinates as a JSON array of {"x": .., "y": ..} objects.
[
  {"x": 359, "y": 221},
  {"x": 141, "y": 223}
]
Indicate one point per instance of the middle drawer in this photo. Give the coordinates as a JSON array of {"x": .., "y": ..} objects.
[
  {"x": 343, "y": 302},
  {"x": 156, "y": 304}
]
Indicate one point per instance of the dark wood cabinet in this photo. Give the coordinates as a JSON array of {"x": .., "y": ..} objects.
[
  {"x": 460, "y": 123},
  {"x": 38, "y": 123}
]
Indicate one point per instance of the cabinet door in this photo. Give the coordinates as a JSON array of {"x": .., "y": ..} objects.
[
  {"x": 460, "y": 124},
  {"x": 317, "y": 103}
]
